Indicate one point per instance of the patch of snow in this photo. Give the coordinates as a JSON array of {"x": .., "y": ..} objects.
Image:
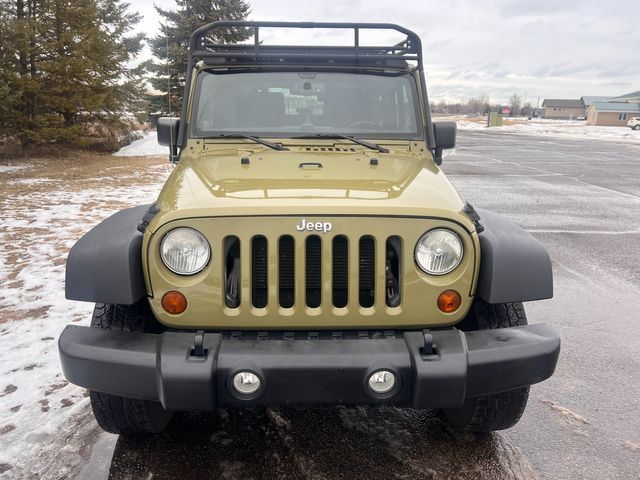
[
  {"x": 33, "y": 181},
  {"x": 46, "y": 427},
  {"x": 11, "y": 168},
  {"x": 558, "y": 128},
  {"x": 467, "y": 125},
  {"x": 147, "y": 146}
]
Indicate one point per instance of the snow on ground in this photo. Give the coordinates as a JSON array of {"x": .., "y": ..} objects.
[
  {"x": 146, "y": 146},
  {"x": 46, "y": 429},
  {"x": 558, "y": 128},
  {"x": 11, "y": 168}
]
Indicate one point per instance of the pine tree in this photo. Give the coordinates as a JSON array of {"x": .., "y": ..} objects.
[
  {"x": 171, "y": 45},
  {"x": 69, "y": 61},
  {"x": 10, "y": 98},
  {"x": 17, "y": 77}
]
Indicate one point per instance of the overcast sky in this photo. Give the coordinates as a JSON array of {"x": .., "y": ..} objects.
[{"x": 536, "y": 48}]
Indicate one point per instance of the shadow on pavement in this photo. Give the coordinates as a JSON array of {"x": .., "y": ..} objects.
[{"x": 349, "y": 443}]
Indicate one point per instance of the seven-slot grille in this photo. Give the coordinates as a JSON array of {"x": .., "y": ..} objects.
[{"x": 317, "y": 271}]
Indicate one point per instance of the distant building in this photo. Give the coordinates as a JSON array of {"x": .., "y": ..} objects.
[
  {"x": 588, "y": 100},
  {"x": 633, "y": 97},
  {"x": 612, "y": 114},
  {"x": 616, "y": 111},
  {"x": 562, "y": 108}
]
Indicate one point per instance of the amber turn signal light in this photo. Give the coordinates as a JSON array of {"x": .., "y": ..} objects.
[
  {"x": 449, "y": 301},
  {"x": 174, "y": 303}
]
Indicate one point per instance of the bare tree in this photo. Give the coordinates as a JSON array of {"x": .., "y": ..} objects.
[
  {"x": 477, "y": 105},
  {"x": 515, "y": 102}
]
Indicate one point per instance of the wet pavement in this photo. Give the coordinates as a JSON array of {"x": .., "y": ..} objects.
[
  {"x": 582, "y": 200},
  {"x": 337, "y": 443}
]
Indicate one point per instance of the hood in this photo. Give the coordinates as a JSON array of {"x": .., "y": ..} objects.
[{"x": 307, "y": 181}]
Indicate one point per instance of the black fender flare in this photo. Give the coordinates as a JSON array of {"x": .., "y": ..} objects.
[
  {"x": 514, "y": 266},
  {"x": 105, "y": 265}
]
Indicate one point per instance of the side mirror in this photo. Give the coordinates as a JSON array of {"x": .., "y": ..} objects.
[
  {"x": 168, "y": 135},
  {"x": 445, "y": 136}
]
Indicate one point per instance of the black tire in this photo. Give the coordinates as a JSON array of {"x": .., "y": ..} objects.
[
  {"x": 120, "y": 415},
  {"x": 636, "y": 127},
  {"x": 499, "y": 411}
]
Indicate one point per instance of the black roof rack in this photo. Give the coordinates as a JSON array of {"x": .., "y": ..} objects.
[{"x": 202, "y": 46}]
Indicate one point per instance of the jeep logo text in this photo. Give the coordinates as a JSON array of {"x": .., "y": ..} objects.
[{"x": 324, "y": 227}]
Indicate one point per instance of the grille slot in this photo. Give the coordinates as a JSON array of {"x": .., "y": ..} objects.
[
  {"x": 286, "y": 271},
  {"x": 367, "y": 277},
  {"x": 259, "y": 272},
  {"x": 232, "y": 272},
  {"x": 393, "y": 271},
  {"x": 313, "y": 271},
  {"x": 340, "y": 271}
]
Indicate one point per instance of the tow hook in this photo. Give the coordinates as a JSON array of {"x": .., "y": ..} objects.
[
  {"x": 198, "y": 350},
  {"x": 428, "y": 349}
]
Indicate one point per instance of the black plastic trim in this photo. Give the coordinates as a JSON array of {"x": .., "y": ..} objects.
[
  {"x": 474, "y": 217},
  {"x": 159, "y": 367},
  {"x": 152, "y": 211},
  {"x": 514, "y": 266},
  {"x": 105, "y": 265}
]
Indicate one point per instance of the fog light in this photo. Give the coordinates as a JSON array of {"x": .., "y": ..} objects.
[
  {"x": 382, "y": 381},
  {"x": 246, "y": 383}
]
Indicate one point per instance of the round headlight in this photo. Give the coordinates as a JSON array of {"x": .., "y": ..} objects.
[
  {"x": 185, "y": 251},
  {"x": 439, "y": 251}
]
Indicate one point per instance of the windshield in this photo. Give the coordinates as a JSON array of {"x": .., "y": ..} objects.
[{"x": 289, "y": 104}]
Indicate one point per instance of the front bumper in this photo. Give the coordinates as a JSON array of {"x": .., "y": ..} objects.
[{"x": 310, "y": 371}]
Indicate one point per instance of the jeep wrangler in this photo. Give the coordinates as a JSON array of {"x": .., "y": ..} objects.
[{"x": 307, "y": 249}]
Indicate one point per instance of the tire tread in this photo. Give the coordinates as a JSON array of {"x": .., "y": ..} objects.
[
  {"x": 498, "y": 411},
  {"x": 115, "y": 414}
]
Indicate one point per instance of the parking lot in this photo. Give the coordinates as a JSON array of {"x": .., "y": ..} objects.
[{"x": 581, "y": 198}]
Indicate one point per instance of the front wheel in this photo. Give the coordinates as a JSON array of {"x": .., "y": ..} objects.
[
  {"x": 498, "y": 411},
  {"x": 120, "y": 415},
  {"x": 636, "y": 127},
  {"x": 129, "y": 417}
]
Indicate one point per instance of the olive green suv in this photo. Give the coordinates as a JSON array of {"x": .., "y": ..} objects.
[{"x": 307, "y": 250}]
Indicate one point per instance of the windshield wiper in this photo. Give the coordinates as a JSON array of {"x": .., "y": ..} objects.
[
  {"x": 372, "y": 146},
  {"x": 275, "y": 146}
]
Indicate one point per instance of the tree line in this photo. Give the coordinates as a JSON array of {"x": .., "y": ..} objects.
[
  {"x": 70, "y": 72},
  {"x": 481, "y": 105}
]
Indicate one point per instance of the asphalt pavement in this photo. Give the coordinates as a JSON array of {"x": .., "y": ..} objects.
[{"x": 581, "y": 198}]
